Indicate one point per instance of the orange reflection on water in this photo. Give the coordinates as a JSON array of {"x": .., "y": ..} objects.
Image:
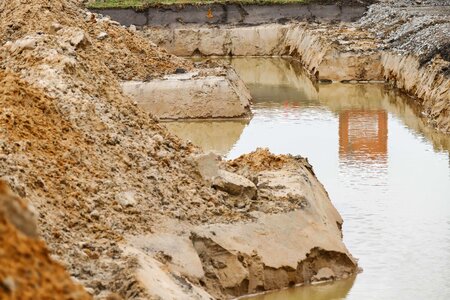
[{"x": 363, "y": 135}]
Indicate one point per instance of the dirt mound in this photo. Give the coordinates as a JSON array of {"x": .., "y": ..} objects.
[
  {"x": 91, "y": 185},
  {"x": 27, "y": 271},
  {"x": 125, "y": 54},
  {"x": 259, "y": 160},
  {"x": 95, "y": 166}
]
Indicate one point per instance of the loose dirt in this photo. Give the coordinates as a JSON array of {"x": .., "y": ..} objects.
[
  {"x": 27, "y": 271},
  {"x": 125, "y": 54}
]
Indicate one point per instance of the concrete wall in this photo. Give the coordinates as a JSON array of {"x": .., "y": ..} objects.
[{"x": 232, "y": 14}]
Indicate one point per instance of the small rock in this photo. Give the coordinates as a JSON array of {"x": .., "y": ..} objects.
[
  {"x": 132, "y": 28},
  {"x": 95, "y": 214},
  {"x": 102, "y": 35},
  {"x": 9, "y": 284},
  {"x": 90, "y": 291},
  {"x": 180, "y": 71},
  {"x": 207, "y": 165},
  {"x": 158, "y": 138},
  {"x": 240, "y": 204},
  {"x": 77, "y": 38},
  {"x": 234, "y": 184},
  {"x": 324, "y": 274},
  {"x": 126, "y": 199},
  {"x": 218, "y": 264},
  {"x": 56, "y": 26},
  {"x": 23, "y": 44}
]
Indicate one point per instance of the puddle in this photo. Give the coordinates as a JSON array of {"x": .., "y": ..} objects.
[{"x": 386, "y": 172}]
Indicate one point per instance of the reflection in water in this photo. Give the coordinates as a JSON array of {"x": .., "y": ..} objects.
[
  {"x": 363, "y": 146},
  {"x": 387, "y": 173},
  {"x": 219, "y": 136},
  {"x": 363, "y": 135},
  {"x": 336, "y": 290}
]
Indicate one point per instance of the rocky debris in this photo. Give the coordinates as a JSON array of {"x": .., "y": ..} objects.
[
  {"x": 283, "y": 182},
  {"x": 21, "y": 249},
  {"x": 415, "y": 41},
  {"x": 102, "y": 35},
  {"x": 234, "y": 184},
  {"x": 23, "y": 44},
  {"x": 324, "y": 274},
  {"x": 125, "y": 54},
  {"x": 231, "y": 183},
  {"x": 407, "y": 28}
]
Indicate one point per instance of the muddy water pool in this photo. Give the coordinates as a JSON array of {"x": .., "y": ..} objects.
[{"x": 387, "y": 173}]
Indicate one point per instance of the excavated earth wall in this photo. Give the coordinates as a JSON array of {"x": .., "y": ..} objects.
[
  {"x": 415, "y": 41},
  {"x": 321, "y": 56}
]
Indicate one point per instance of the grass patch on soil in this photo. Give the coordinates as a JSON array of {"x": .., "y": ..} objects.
[{"x": 148, "y": 3}]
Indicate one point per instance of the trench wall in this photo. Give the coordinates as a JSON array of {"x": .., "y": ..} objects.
[
  {"x": 318, "y": 55},
  {"x": 428, "y": 84},
  {"x": 233, "y": 14},
  {"x": 322, "y": 57},
  {"x": 254, "y": 30}
]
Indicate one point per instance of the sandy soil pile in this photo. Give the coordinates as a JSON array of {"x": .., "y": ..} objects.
[
  {"x": 93, "y": 164},
  {"x": 259, "y": 160},
  {"x": 126, "y": 55},
  {"x": 27, "y": 271}
]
